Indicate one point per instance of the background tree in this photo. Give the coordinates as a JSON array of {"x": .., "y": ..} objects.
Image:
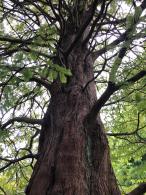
[{"x": 57, "y": 57}]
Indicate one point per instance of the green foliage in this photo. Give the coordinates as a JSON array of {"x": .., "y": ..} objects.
[
  {"x": 15, "y": 180},
  {"x": 55, "y": 69},
  {"x": 27, "y": 74},
  {"x": 128, "y": 151},
  {"x": 125, "y": 118},
  {"x": 114, "y": 69}
]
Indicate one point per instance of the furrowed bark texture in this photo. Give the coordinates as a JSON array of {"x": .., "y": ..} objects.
[{"x": 74, "y": 155}]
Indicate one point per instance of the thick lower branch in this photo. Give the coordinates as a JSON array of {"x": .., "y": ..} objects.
[
  {"x": 111, "y": 88},
  {"x": 140, "y": 190}
]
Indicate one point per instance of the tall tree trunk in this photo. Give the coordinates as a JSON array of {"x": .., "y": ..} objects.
[{"x": 73, "y": 155}]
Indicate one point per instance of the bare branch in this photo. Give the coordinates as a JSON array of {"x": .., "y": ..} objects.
[
  {"x": 16, "y": 40},
  {"x": 129, "y": 133},
  {"x": 137, "y": 77},
  {"x": 22, "y": 120},
  {"x": 124, "y": 37},
  {"x": 41, "y": 81},
  {"x": 11, "y": 162},
  {"x": 3, "y": 190}
]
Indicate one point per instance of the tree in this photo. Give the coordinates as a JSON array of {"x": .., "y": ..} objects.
[{"x": 56, "y": 58}]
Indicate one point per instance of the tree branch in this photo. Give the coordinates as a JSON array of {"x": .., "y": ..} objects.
[
  {"x": 101, "y": 13},
  {"x": 133, "y": 79},
  {"x": 16, "y": 40},
  {"x": 10, "y": 162},
  {"x": 137, "y": 77},
  {"x": 123, "y": 37},
  {"x": 21, "y": 120},
  {"x": 41, "y": 81},
  {"x": 3, "y": 190},
  {"x": 140, "y": 190},
  {"x": 129, "y": 133},
  {"x": 90, "y": 14},
  {"x": 111, "y": 88}
]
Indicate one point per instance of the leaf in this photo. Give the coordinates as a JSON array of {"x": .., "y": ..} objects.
[
  {"x": 27, "y": 74},
  {"x": 54, "y": 74},
  {"x": 55, "y": 69},
  {"x": 138, "y": 11},
  {"x": 3, "y": 134},
  {"x": 62, "y": 77},
  {"x": 33, "y": 56},
  {"x": 137, "y": 97},
  {"x": 129, "y": 21},
  {"x": 44, "y": 72}
]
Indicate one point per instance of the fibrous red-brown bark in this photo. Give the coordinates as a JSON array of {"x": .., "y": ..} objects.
[{"x": 73, "y": 151}]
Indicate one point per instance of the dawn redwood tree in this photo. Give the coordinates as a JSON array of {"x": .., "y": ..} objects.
[{"x": 76, "y": 51}]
